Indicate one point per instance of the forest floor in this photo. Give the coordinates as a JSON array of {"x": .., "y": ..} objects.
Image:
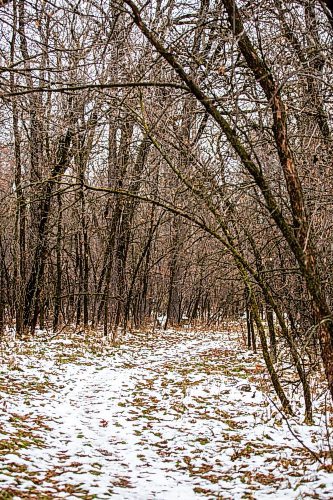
[{"x": 164, "y": 415}]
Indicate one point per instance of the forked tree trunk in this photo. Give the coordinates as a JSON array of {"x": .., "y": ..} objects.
[{"x": 34, "y": 285}]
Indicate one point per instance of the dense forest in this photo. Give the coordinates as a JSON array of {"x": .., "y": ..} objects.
[
  {"x": 168, "y": 163},
  {"x": 166, "y": 249}
]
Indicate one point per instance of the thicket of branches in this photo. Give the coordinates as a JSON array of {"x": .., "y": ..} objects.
[{"x": 169, "y": 158}]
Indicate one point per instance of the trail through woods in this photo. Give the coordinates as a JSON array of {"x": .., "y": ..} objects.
[{"x": 170, "y": 415}]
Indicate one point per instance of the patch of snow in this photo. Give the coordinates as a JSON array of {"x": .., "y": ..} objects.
[{"x": 169, "y": 416}]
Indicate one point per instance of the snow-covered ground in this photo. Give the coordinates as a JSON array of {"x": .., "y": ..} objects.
[{"x": 170, "y": 415}]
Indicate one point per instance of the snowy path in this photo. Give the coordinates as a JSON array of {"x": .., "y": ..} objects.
[{"x": 173, "y": 416}]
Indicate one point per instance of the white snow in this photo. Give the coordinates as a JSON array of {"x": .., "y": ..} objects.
[{"x": 164, "y": 416}]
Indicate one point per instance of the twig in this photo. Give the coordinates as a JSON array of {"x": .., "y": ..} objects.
[{"x": 312, "y": 453}]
